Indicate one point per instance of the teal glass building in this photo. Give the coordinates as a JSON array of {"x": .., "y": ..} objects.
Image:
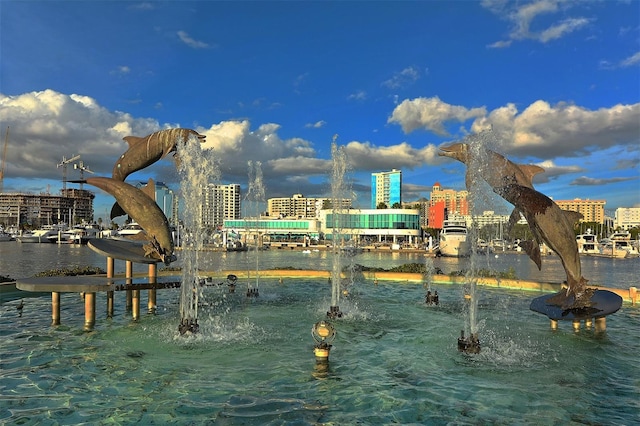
[{"x": 386, "y": 187}]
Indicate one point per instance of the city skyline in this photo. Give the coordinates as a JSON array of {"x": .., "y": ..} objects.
[{"x": 275, "y": 81}]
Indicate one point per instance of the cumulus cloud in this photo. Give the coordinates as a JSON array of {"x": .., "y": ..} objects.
[
  {"x": 369, "y": 157},
  {"x": 546, "y": 131},
  {"x": 431, "y": 114},
  {"x": 553, "y": 171},
  {"x": 48, "y": 125}
]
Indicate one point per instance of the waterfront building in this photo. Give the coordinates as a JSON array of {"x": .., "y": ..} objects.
[
  {"x": 444, "y": 203},
  {"x": 422, "y": 205},
  {"x": 375, "y": 226},
  {"x": 36, "y": 210},
  {"x": 386, "y": 188},
  {"x": 627, "y": 218},
  {"x": 220, "y": 202},
  {"x": 256, "y": 232},
  {"x": 591, "y": 210},
  {"x": 300, "y": 207},
  {"x": 360, "y": 227}
]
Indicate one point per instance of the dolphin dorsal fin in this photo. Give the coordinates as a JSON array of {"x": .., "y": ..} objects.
[
  {"x": 132, "y": 140},
  {"x": 117, "y": 211},
  {"x": 530, "y": 170},
  {"x": 572, "y": 216},
  {"x": 150, "y": 189}
]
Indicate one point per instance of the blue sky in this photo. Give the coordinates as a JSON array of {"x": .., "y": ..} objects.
[{"x": 557, "y": 81}]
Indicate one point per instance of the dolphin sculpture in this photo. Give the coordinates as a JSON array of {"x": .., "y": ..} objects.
[
  {"x": 144, "y": 151},
  {"x": 548, "y": 222},
  {"x": 144, "y": 210}
]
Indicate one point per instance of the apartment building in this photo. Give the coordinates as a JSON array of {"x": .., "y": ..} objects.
[
  {"x": 591, "y": 210},
  {"x": 386, "y": 188}
]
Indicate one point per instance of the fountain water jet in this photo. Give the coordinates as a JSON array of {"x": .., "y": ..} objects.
[
  {"x": 255, "y": 196},
  {"x": 338, "y": 171},
  {"x": 197, "y": 169}
]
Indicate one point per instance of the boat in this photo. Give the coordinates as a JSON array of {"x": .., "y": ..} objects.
[
  {"x": 5, "y": 237},
  {"x": 131, "y": 228},
  {"x": 79, "y": 234},
  {"x": 453, "y": 239},
  {"x": 619, "y": 245},
  {"x": 40, "y": 235},
  {"x": 587, "y": 243}
]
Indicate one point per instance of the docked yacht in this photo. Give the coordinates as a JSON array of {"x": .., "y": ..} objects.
[
  {"x": 130, "y": 229},
  {"x": 79, "y": 234},
  {"x": 453, "y": 239},
  {"x": 587, "y": 243},
  {"x": 619, "y": 245},
  {"x": 40, "y": 235}
]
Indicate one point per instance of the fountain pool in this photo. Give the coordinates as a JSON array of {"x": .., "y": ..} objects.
[{"x": 394, "y": 360}]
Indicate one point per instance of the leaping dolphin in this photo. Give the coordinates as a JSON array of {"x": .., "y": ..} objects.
[
  {"x": 144, "y": 210},
  {"x": 144, "y": 151},
  {"x": 548, "y": 223}
]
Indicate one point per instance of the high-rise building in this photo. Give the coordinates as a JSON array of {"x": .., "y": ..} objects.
[
  {"x": 444, "y": 203},
  {"x": 300, "y": 207},
  {"x": 591, "y": 210},
  {"x": 73, "y": 206},
  {"x": 386, "y": 187},
  {"x": 627, "y": 218},
  {"x": 220, "y": 202}
]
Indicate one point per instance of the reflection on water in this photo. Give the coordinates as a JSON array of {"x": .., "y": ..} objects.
[
  {"x": 394, "y": 360},
  {"x": 21, "y": 260}
]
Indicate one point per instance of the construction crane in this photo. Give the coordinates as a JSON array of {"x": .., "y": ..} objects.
[
  {"x": 4, "y": 159},
  {"x": 63, "y": 164},
  {"x": 80, "y": 166}
]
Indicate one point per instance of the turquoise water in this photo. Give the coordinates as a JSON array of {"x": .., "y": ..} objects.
[{"x": 394, "y": 361}]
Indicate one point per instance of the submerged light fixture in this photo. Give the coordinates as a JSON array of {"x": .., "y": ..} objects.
[{"x": 323, "y": 333}]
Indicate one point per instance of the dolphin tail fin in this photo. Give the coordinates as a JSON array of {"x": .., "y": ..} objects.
[
  {"x": 513, "y": 219},
  {"x": 533, "y": 250},
  {"x": 132, "y": 140},
  {"x": 530, "y": 171},
  {"x": 117, "y": 211}
]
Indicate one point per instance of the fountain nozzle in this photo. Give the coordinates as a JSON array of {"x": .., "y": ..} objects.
[
  {"x": 334, "y": 312},
  {"x": 470, "y": 345},
  {"x": 188, "y": 325}
]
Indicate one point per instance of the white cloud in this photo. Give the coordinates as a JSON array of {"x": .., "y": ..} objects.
[
  {"x": 360, "y": 95},
  {"x": 186, "y": 39},
  {"x": 316, "y": 125},
  {"x": 431, "y": 114},
  {"x": 563, "y": 129},
  {"x": 631, "y": 60},
  {"x": 523, "y": 14},
  {"x": 403, "y": 78},
  {"x": 366, "y": 156}
]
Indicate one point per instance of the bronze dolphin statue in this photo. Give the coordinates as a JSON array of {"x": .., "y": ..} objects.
[
  {"x": 548, "y": 223},
  {"x": 522, "y": 174},
  {"x": 144, "y": 210},
  {"x": 144, "y": 151}
]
